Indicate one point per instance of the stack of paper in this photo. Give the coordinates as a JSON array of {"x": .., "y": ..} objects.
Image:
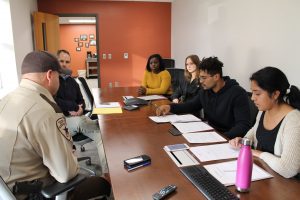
[
  {"x": 203, "y": 137},
  {"x": 214, "y": 152},
  {"x": 107, "y": 108},
  {"x": 225, "y": 172},
  {"x": 108, "y": 105},
  {"x": 192, "y": 127},
  {"x": 152, "y": 97},
  {"x": 175, "y": 118}
]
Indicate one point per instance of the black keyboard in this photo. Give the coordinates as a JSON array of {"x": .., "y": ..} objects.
[{"x": 206, "y": 183}]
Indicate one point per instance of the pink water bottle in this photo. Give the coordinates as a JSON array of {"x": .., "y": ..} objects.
[{"x": 244, "y": 167}]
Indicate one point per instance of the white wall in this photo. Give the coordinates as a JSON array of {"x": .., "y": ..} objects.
[
  {"x": 15, "y": 41},
  {"x": 245, "y": 35},
  {"x": 22, "y": 28}
]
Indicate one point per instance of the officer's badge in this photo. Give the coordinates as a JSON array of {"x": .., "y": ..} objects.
[{"x": 62, "y": 127}]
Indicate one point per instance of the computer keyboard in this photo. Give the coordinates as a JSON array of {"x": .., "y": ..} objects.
[{"x": 206, "y": 183}]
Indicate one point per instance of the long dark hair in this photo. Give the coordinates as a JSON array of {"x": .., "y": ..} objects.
[
  {"x": 160, "y": 60},
  {"x": 271, "y": 79}
]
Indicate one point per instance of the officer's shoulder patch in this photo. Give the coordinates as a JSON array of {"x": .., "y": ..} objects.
[{"x": 62, "y": 127}]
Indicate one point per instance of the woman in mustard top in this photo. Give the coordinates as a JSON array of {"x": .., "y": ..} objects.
[{"x": 156, "y": 80}]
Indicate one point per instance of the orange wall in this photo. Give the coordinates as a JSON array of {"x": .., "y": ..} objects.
[
  {"x": 67, "y": 35},
  {"x": 137, "y": 28}
]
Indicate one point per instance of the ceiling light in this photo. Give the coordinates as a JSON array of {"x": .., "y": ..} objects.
[{"x": 82, "y": 21}]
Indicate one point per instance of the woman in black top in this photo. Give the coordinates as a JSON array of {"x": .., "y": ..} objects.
[
  {"x": 190, "y": 86},
  {"x": 276, "y": 133}
]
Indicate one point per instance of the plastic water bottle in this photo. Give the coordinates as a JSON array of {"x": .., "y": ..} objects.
[{"x": 244, "y": 167}]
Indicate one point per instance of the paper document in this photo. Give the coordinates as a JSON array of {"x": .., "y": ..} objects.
[
  {"x": 108, "y": 105},
  {"x": 100, "y": 111},
  {"x": 203, "y": 137},
  {"x": 152, "y": 97},
  {"x": 192, "y": 127},
  {"x": 162, "y": 119},
  {"x": 174, "y": 118},
  {"x": 225, "y": 172},
  {"x": 214, "y": 152}
]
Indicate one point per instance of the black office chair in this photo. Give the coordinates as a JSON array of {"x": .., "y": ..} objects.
[
  {"x": 169, "y": 62},
  {"x": 79, "y": 138},
  {"x": 56, "y": 190},
  {"x": 253, "y": 109},
  {"x": 88, "y": 97},
  {"x": 177, "y": 76}
]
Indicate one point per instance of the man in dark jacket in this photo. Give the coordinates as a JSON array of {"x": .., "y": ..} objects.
[
  {"x": 224, "y": 102},
  {"x": 71, "y": 102}
]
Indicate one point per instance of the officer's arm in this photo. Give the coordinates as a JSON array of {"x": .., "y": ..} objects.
[{"x": 55, "y": 146}]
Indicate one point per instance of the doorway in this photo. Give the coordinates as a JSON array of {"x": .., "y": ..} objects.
[{"x": 79, "y": 35}]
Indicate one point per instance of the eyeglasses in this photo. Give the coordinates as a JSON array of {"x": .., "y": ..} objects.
[{"x": 203, "y": 78}]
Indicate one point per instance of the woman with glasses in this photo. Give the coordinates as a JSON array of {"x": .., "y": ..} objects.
[
  {"x": 156, "y": 80},
  {"x": 276, "y": 133},
  {"x": 190, "y": 86}
]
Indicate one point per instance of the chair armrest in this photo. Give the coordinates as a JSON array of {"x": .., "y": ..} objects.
[{"x": 58, "y": 188}]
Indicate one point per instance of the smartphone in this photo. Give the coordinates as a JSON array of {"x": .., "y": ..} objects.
[
  {"x": 174, "y": 131},
  {"x": 136, "y": 162},
  {"x": 132, "y": 107},
  {"x": 176, "y": 147}
]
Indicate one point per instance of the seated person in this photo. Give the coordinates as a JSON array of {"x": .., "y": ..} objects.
[
  {"x": 276, "y": 133},
  {"x": 188, "y": 88},
  {"x": 224, "y": 102},
  {"x": 156, "y": 80},
  {"x": 71, "y": 102},
  {"x": 34, "y": 141}
]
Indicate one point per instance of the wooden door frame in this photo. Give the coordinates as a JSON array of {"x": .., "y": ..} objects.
[{"x": 97, "y": 36}]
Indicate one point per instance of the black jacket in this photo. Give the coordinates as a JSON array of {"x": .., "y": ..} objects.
[
  {"x": 186, "y": 90},
  {"x": 69, "y": 96},
  {"x": 227, "y": 110}
]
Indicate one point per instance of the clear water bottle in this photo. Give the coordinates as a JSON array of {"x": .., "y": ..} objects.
[{"x": 244, "y": 167}]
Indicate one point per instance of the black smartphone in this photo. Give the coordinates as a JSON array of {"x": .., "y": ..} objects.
[
  {"x": 174, "y": 131},
  {"x": 136, "y": 162},
  {"x": 132, "y": 107}
]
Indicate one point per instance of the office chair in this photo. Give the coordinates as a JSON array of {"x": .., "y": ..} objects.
[
  {"x": 169, "y": 63},
  {"x": 87, "y": 96},
  {"x": 177, "y": 76},
  {"x": 57, "y": 190},
  {"x": 79, "y": 138},
  {"x": 5, "y": 192}
]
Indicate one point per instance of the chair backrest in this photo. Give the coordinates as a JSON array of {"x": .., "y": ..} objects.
[
  {"x": 86, "y": 93},
  {"x": 253, "y": 109},
  {"x": 177, "y": 75},
  {"x": 5, "y": 193},
  {"x": 169, "y": 63}
]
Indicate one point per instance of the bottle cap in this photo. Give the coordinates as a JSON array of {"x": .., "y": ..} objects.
[{"x": 246, "y": 141}]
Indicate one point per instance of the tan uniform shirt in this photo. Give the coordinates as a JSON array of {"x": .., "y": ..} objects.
[{"x": 34, "y": 141}]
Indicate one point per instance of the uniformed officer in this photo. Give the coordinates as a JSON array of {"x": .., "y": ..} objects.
[{"x": 34, "y": 141}]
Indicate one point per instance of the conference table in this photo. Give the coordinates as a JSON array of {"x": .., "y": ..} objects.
[{"x": 132, "y": 133}]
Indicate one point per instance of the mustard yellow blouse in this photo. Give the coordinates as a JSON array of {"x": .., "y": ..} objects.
[{"x": 157, "y": 83}]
